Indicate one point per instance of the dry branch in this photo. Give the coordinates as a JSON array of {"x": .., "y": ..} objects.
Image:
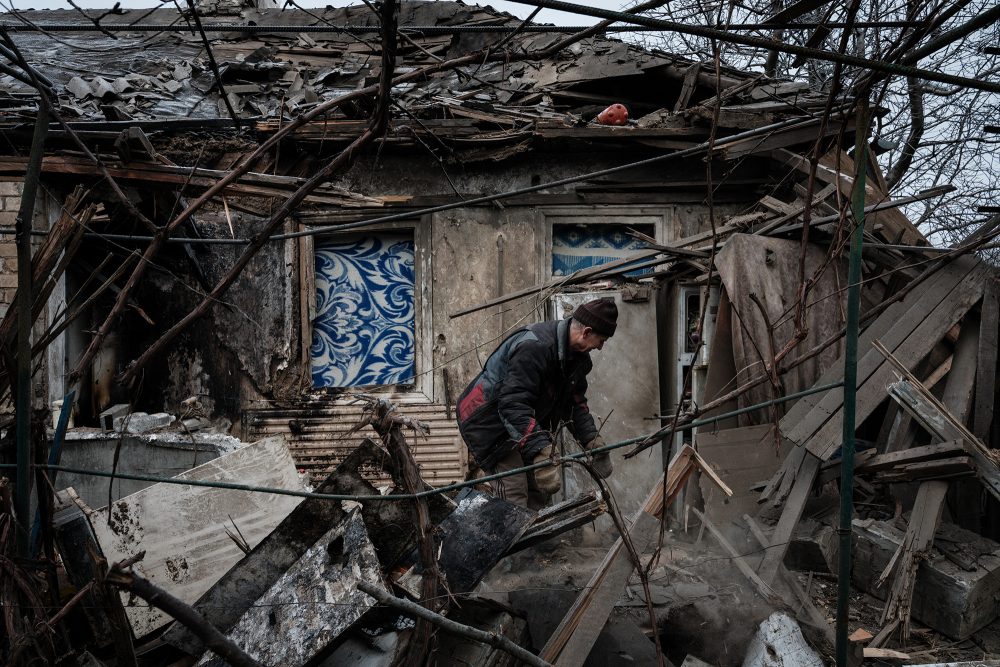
[{"x": 177, "y": 609}]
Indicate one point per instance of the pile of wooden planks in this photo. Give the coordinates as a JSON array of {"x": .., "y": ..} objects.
[{"x": 944, "y": 329}]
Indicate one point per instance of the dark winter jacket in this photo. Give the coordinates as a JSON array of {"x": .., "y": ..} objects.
[{"x": 531, "y": 384}]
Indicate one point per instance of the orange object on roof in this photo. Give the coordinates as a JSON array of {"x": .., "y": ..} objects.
[{"x": 616, "y": 114}]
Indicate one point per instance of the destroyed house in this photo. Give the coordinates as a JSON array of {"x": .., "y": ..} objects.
[
  {"x": 322, "y": 312},
  {"x": 238, "y": 238}
]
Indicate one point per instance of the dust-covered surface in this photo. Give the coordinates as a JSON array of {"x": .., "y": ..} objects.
[
  {"x": 182, "y": 529},
  {"x": 703, "y": 606},
  {"x": 313, "y": 602}
]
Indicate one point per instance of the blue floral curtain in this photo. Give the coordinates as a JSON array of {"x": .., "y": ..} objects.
[
  {"x": 363, "y": 331},
  {"x": 576, "y": 247}
]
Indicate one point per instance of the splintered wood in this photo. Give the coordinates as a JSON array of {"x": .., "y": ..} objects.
[
  {"x": 573, "y": 639},
  {"x": 908, "y": 329}
]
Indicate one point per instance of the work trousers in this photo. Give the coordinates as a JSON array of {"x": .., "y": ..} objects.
[{"x": 519, "y": 489}]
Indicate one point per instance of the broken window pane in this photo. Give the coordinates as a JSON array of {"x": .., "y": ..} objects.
[{"x": 363, "y": 333}]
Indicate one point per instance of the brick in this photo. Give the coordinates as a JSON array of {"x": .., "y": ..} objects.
[
  {"x": 8, "y": 249},
  {"x": 8, "y": 264},
  {"x": 8, "y": 280},
  {"x": 11, "y": 188},
  {"x": 12, "y": 203},
  {"x": 8, "y": 218}
]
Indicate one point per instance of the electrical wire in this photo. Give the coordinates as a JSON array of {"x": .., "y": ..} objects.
[{"x": 429, "y": 492}]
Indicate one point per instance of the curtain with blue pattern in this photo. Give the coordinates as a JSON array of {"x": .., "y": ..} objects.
[
  {"x": 576, "y": 247},
  {"x": 363, "y": 333}
]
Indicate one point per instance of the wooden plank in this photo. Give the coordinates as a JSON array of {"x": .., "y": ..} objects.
[
  {"x": 790, "y": 516},
  {"x": 957, "y": 466},
  {"x": 807, "y": 611},
  {"x": 877, "y": 329},
  {"x": 910, "y": 351},
  {"x": 964, "y": 496},
  {"x": 573, "y": 639},
  {"x": 924, "y": 520},
  {"x": 912, "y": 455},
  {"x": 986, "y": 380},
  {"x": 892, "y": 327},
  {"x": 942, "y": 426},
  {"x": 961, "y": 379}
]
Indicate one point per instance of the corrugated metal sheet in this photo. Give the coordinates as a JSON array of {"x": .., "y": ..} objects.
[{"x": 319, "y": 435}]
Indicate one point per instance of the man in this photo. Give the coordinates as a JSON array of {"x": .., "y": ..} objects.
[{"x": 534, "y": 383}]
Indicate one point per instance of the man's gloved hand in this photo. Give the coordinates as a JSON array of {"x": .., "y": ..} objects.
[
  {"x": 602, "y": 461},
  {"x": 546, "y": 479}
]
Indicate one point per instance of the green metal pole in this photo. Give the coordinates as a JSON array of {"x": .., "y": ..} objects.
[
  {"x": 22, "y": 406},
  {"x": 850, "y": 382}
]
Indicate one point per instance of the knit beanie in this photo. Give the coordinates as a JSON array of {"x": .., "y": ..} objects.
[{"x": 601, "y": 315}]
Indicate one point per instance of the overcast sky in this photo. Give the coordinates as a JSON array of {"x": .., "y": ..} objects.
[{"x": 517, "y": 9}]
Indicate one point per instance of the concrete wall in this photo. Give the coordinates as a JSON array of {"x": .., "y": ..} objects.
[{"x": 161, "y": 455}]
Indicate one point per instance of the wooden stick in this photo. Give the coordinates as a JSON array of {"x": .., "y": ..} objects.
[{"x": 475, "y": 634}]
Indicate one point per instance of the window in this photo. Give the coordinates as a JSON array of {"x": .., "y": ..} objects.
[
  {"x": 363, "y": 331},
  {"x": 576, "y": 247}
]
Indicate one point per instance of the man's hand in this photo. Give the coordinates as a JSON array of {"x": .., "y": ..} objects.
[
  {"x": 546, "y": 479},
  {"x": 601, "y": 461}
]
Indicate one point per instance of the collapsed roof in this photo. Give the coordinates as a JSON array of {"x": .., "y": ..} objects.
[{"x": 293, "y": 59}]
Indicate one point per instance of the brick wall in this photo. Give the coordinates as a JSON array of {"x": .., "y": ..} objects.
[{"x": 10, "y": 201}]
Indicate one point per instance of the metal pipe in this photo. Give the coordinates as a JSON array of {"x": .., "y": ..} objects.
[
  {"x": 22, "y": 499},
  {"x": 765, "y": 404},
  {"x": 430, "y": 492},
  {"x": 850, "y": 383},
  {"x": 770, "y": 44}
]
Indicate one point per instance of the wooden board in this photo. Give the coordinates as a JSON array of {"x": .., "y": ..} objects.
[
  {"x": 895, "y": 327},
  {"x": 182, "y": 529},
  {"x": 742, "y": 457},
  {"x": 986, "y": 380},
  {"x": 573, "y": 639},
  {"x": 910, "y": 351},
  {"x": 790, "y": 516},
  {"x": 876, "y": 330}
]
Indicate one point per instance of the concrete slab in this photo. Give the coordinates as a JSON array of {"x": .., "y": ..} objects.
[
  {"x": 182, "y": 529},
  {"x": 159, "y": 454},
  {"x": 946, "y": 597},
  {"x": 315, "y": 601}
]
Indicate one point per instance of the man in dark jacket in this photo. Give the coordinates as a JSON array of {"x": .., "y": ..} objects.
[{"x": 534, "y": 383}]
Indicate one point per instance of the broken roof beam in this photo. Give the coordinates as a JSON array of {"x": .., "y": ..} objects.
[
  {"x": 835, "y": 168},
  {"x": 250, "y": 183}
]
